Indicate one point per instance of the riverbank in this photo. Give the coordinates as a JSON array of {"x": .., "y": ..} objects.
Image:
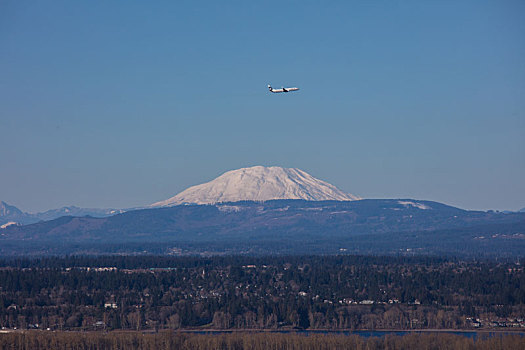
[
  {"x": 350, "y": 331},
  {"x": 57, "y": 340},
  {"x": 360, "y": 332}
]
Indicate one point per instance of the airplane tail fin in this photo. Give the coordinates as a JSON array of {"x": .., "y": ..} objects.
[{"x": 269, "y": 87}]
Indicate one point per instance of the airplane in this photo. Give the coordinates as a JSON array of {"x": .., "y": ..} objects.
[{"x": 282, "y": 89}]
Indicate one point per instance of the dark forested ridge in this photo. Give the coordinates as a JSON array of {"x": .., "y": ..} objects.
[
  {"x": 279, "y": 227},
  {"x": 298, "y": 292}
]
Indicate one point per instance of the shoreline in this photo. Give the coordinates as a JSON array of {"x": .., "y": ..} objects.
[
  {"x": 269, "y": 331},
  {"x": 433, "y": 330}
]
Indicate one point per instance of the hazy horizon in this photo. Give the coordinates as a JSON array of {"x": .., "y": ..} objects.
[{"x": 147, "y": 204}]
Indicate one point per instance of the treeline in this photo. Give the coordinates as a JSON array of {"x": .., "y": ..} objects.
[
  {"x": 306, "y": 292},
  {"x": 160, "y": 261},
  {"x": 35, "y": 340}
]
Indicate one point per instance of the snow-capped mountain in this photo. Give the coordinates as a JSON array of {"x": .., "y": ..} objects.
[{"x": 259, "y": 183}]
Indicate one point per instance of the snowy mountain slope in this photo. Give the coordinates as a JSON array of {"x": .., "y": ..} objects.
[{"x": 259, "y": 183}]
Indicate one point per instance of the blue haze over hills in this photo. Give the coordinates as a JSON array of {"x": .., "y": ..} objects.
[
  {"x": 9, "y": 213},
  {"x": 279, "y": 227}
]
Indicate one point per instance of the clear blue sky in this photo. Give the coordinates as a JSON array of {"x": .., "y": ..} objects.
[{"x": 124, "y": 103}]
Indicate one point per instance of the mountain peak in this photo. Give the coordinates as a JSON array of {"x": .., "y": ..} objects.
[
  {"x": 259, "y": 183},
  {"x": 7, "y": 209}
]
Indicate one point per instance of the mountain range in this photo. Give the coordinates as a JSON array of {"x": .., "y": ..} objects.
[
  {"x": 11, "y": 215},
  {"x": 267, "y": 210},
  {"x": 280, "y": 226},
  {"x": 256, "y": 183}
]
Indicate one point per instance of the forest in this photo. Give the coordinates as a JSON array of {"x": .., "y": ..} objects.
[{"x": 155, "y": 293}]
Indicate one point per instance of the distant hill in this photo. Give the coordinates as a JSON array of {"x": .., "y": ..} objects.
[
  {"x": 281, "y": 226},
  {"x": 76, "y": 211}
]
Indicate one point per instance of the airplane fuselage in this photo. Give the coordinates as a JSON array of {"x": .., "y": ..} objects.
[{"x": 283, "y": 89}]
